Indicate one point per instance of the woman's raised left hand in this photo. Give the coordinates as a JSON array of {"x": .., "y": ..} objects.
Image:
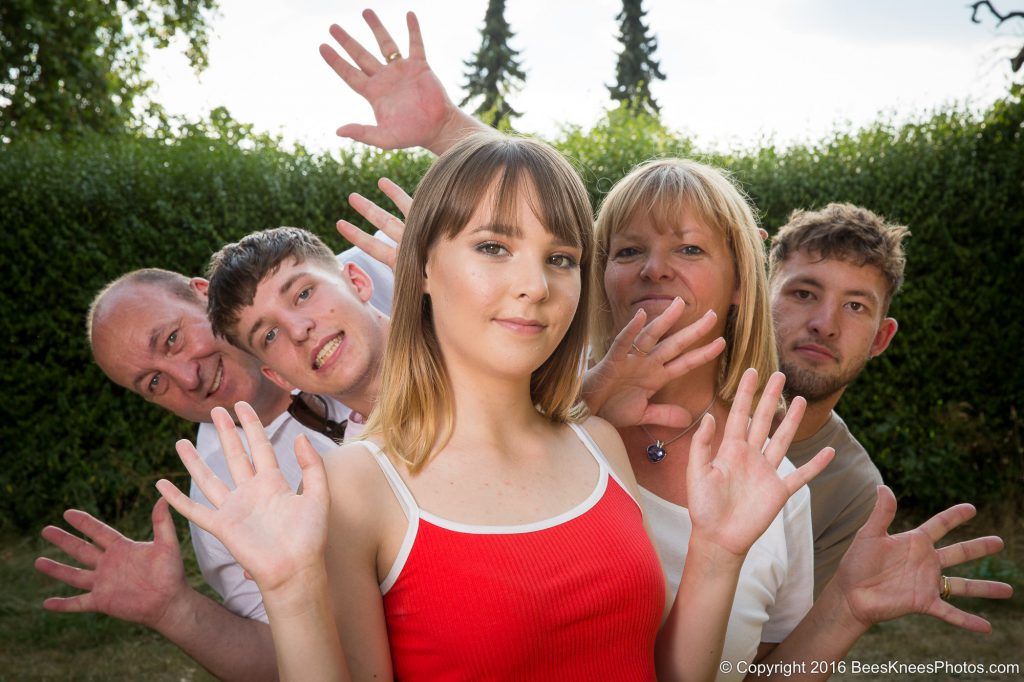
[{"x": 733, "y": 495}]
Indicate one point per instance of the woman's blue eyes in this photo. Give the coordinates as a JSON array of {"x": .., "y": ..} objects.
[{"x": 631, "y": 251}]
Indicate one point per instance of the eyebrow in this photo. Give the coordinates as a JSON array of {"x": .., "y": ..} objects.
[
  {"x": 514, "y": 232},
  {"x": 281, "y": 291}
]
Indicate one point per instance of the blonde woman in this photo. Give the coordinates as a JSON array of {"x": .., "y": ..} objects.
[{"x": 487, "y": 528}]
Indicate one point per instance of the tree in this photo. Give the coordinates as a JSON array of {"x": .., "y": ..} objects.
[
  {"x": 494, "y": 72},
  {"x": 1017, "y": 62},
  {"x": 72, "y": 64},
  {"x": 636, "y": 68}
]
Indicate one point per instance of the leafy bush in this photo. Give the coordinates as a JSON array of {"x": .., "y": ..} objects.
[{"x": 939, "y": 410}]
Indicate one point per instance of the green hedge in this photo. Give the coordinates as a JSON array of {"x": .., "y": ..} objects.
[{"x": 938, "y": 410}]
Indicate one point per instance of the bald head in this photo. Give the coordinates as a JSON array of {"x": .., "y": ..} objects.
[{"x": 148, "y": 332}]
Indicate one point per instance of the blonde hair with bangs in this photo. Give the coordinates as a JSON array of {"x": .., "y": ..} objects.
[
  {"x": 415, "y": 413},
  {"x": 662, "y": 190}
]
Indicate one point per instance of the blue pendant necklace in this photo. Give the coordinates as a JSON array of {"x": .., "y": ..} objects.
[{"x": 657, "y": 450}]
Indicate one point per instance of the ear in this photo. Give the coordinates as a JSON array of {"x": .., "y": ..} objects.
[
  {"x": 886, "y": 330},
  {"x": 763, "y": 233},
  {"x": 361, "y": 282},
  {"x": 276, "y": 378},
  {"x": 200, "y": 286}
]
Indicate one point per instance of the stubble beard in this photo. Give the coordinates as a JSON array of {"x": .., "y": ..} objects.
[{"x": 816, "y": 386}]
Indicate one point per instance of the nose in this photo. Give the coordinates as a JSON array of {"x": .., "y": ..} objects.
[
  {"x": 655, "y": 267},
  {"x": 297, "y": 326},
  {"x": 184, "y": 372},
  {"x": 824, "y": 322},
  {"x": 532, "y": 283}
]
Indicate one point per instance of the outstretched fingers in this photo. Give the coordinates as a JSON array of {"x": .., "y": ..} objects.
[
  {"x": 353, "y": 77},
  {"x": 75, "y": 547},
  {"x": 937, "y": 526},
  {"x": 623, "y": 342},
  {"x": 700, "y": 449},
  {"x": 164, "y": 532},
  {"x": 314, "y": 477},
  {"x": 359, "y": 54},
  {"x": 979, "y": 589},
  {"x": 778, "y": 446},
  {"x": 370, "y": 245},
  {"x": 736, "y": 425},
  {"x": 764, "y": 413},
  {"x": 385, "y": 42},
  {"x": 399, "y": 197},
  {"x": 79, "y": 578},
  {"x": 377, "y": 216},
  {"x": 80, "y": 603},
  {"x": 201, "y": 474},
  {"x": 958, "y": 617},
  {"x": 882, "y": 515},
  {"x": 802, "y": 476},
  {"x": 416, "y": 50},
  {"x": 199, "y": 514},
  {"x": 91, "y": 527},
  {"x": 263, "y": 456},
  {"x": 969, "y": 550},
  {"x": 647, "y": 340}
]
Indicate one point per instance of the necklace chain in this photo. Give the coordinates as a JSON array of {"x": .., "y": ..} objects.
[{"x": 657, "y": 450}]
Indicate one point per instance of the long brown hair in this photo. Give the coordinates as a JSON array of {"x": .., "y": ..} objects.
[{"x": 414, "y": 415}]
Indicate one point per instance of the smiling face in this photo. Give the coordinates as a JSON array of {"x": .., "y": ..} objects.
[
  {"x": 829, "y": 320},
  {"x": 312, "y": 327},
  {"x": 502, "y": 295},
  {"x": 650, "y": 264},
  {"x": 161, "y": 346}
]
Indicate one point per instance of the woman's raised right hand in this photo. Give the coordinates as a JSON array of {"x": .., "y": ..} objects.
[{"x": 277, "y": 535}]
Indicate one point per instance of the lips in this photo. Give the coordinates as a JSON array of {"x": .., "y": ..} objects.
[
  {"x": 521, "y": 325},
  {"x": 651, "y": 298},
  {"x": 218, "y": 377},
  {"x": 816, "y": 351},
  {"x": 327, "y": 350}
]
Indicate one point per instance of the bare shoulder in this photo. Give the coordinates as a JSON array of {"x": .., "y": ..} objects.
[
  {"x": 610, "y": 443},
  {"x": 357, "y": 485}
]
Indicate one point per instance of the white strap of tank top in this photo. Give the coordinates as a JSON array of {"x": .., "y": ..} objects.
[
  {"x": 399, "y": 487},
  {"x": 601, "y": 459}
]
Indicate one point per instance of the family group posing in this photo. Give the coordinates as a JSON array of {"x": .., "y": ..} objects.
[{"x": 569, "y": 452}]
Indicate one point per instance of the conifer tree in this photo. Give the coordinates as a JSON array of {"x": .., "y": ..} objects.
[
  {"x": 636, "y": 68},
  {"x": 494, "y": 72}
]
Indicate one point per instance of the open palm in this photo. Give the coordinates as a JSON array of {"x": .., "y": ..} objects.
[
  {"x": 734, "y": 496},
  {"x": 274, "y": 533}
]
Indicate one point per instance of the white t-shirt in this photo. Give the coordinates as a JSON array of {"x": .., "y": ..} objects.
[
  {"x": 776, "y": 581},
  {"x": 219, "y": 568}
]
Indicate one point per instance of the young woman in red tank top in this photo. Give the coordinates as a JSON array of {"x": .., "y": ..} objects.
[{"x": 488, "y": 529}]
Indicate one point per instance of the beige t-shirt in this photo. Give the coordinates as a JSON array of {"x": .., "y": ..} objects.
[{"x": 842, "y": 496}]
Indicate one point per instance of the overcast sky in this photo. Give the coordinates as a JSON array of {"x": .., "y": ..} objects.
[{"x": 738, "y": 71}]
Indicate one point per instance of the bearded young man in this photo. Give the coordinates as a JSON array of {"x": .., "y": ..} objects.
[{"x": 833, "y": 274}]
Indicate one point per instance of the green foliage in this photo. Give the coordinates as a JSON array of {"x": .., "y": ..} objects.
[
  {"x": 68, "y": 65},
  {"x": 939, "y": 411},
  {"x": 75, "y": 214},
  {"x": 494, "y": 71},
  {"x": 636, "y": 68}
]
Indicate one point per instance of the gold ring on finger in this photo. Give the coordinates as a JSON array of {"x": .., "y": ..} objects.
[
  {"x": 947, "y": 588},
  {"x": 393, "y": 56},
  {"x": 637, "y": 350}
]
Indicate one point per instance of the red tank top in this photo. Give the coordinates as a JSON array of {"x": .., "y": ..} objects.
[{"x": 576, "y": 597}]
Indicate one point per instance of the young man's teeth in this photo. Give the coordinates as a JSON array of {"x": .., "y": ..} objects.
[
  {"x": 326, "y": 351},
  {"x": 216, "y": 379}
]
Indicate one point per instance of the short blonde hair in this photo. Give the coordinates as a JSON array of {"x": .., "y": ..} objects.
[
  {"x": 662, "y": 190},
  {"x": 414, "y": 414}
]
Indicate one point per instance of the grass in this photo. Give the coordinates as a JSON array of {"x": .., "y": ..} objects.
[{"x": 38, "y": 645}]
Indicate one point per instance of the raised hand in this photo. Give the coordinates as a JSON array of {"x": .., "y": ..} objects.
[
  {"x": 122, "y": 578},
  {"x": 274, "y": 533},
  {"x": 884, "y": 576},
  {"x": 379, "y": 218},
  {"x": 640, "y": 362},
  {"x": 734, "y": 495},
  {"x": 409, "y": 103}
]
